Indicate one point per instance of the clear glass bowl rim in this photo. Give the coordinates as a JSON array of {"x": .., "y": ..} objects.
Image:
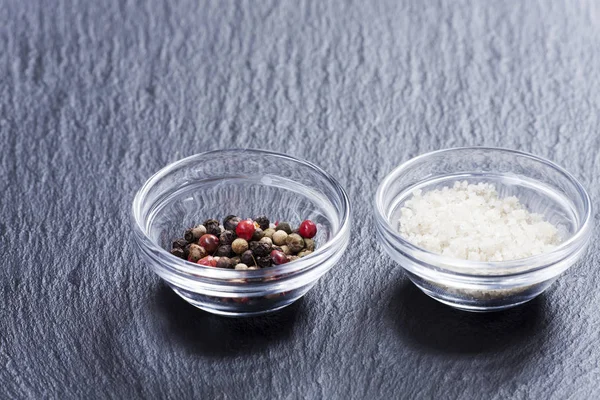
[
  {"x": 334, "y": 244},
  {"x": 570, "y": 245}
]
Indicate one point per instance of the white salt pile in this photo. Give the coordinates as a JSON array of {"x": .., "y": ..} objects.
[{"x": 471, "y": 222}]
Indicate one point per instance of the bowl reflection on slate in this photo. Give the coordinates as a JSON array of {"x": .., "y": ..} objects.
[
  {"x": 248, "y": 183},
  {"x": 541, "y": 186}
]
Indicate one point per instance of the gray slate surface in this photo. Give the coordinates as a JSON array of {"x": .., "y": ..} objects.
[{"x": 97, "y": 95}]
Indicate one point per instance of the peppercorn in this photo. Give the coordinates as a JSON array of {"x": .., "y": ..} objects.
[
  {"x": 241, "y": 267},
  {"x": 307, "y": 229},
  {"x": 226, "y": 237},
  {"x": 269, "y": 233},
  {"x": 293, "y": 258},
  {"x": 245, "y": 229},
  {"x": 209, "y": 241},
  {"x": 208, "y": 261},
  {"x": 210, "y": 222},
  {"x": 179, "y": 244},
  {"x": 279, "y": 237},
  {"x": 186, "y": 250},
  {"x": 239, "y": 246},
  {"x": 258, "y": 234},
  {"x": 284, "y": 226},
  {"x": 196, "y": 252},
  {"x": 224, "y": 251},
  {"x": 263, "y": 222},
  {"x": 275, "y": 247},
  {"x": 230, "y": 222},
  {"x": 254, "y": 267},
  {"x": 178, "y": 252},
  {"x": 267, "y": 241},
  {"x": 286, "y": 250},
  {"x": 225, "y": 262},
  {"x": 236, "y": 260},
  {"x": 278, "y": 257},
  {"x": 261, "y": 249},
  {"x": 304, "y": 253},
  {"x": 248, "y": 258},
  {"x": 194, "y": 234},
  {"x": 309, "y": 244},
  {"x": 213, "y": 229},
  {"x": 294, "y": 242},
  {"x": 264, "y": 262}
]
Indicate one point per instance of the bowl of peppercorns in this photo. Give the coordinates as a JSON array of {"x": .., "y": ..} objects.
[{"x": 241, "y": 232}]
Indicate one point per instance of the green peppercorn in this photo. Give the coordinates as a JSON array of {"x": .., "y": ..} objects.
[
  {"x": 178, "y": 252},
  {"x": 279, "y": 238},
  {"x": 241, "y": 267},
  {"x": 294, "y": 242},
  {"x": 284, "y": 226},
  {"x": 230, "y": 222},
  {"x": 225, "y": 262},
  {"x": 248, "y": 258},
  {"x": 224, "y": 251},
  {"x": 179, "y": 244},
  {"x": 239, "y": 245},
  {"x": 275, "y": 247},
  {"x": 286, "y": 250},
  {"x": 264, "y": 262},
  {"x": 309, "y": 244},
  {"x": 263, "y": 222},
  {"x": 236, "y": 260},
  {"x": 304, "y": 253},
  {"x": 269, "y": 233},
  {"x": 196, "y": 252},
  {"x": 226, "y": 237},
  {"x": 258, "y": 234}
]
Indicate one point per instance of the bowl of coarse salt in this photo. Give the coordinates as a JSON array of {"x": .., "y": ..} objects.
[{"x": 482, "y": 229}]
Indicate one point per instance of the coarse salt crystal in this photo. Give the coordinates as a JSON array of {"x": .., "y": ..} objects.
[{"x": 470, "y": 221}]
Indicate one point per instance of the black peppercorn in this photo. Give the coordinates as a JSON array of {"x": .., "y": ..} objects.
[
  {"x": 258, "y": 234},
  {"x": 227, "y": 237},
  {"x": 213, "y": 228},
  {"x": 178, "y": 252},
  {"x": 225, "y": 262},
  {"x": 224, "y": 251},
  {"x": 193, "y": 234},
  {"x": 284, "y": 226},
  {"x": 264, "y": 262},
  {"x": 261, "y": 249},
  {"x": 248, "y": 258},
  {"x": 211, "y": 222},
  {"x": 179, "y": 244},
  {"x": 230, "y": 222},
  {"x": 263, "y": 222}
]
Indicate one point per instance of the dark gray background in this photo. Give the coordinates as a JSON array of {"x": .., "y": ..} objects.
[{"x": 95, "y": 96}]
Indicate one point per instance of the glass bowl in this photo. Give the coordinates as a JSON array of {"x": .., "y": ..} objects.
[
  {"x": 541, "y": 186},
  {"x": 247, "y": 183}
]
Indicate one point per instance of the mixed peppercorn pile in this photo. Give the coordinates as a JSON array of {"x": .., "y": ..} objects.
[{"x": 245, "y": 244}]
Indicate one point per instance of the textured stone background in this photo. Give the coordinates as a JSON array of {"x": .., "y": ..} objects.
[{"x": 97, "y": 95}]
